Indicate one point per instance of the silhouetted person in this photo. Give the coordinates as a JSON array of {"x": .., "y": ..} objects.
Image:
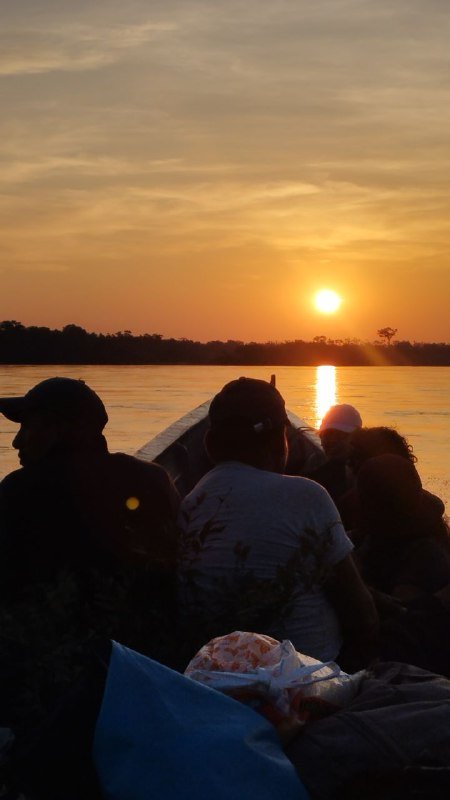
[
  {"x": 405, "y": 548},
  {"x": 405, "y": 553},
  {"x": 366, "y": 443},
  {"x": 420, "y": 633},
  {"x": 261, "y": 550},
  {"x": 378, "y": 440},
  {"x": 87, "y": 545},
  {"x": 336, "y": 429}
]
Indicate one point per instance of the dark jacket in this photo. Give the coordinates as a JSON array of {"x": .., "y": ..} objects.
[{"x": 87, "y": 552}]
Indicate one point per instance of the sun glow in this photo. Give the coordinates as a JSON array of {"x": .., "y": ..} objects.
[{"x": 327, "y": 301}]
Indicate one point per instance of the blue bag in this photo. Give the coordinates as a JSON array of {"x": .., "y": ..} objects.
[{"x": 162, "y": 735}]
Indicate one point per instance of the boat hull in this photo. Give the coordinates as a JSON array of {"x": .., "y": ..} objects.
[{"x": 180, "y": 448}]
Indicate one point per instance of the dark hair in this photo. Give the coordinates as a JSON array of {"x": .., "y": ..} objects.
[
  {"x": 243, "y": 443},
  {"x": 248, "y": 401},
  {"x": 393, "y": 501},
  {"x": 368, "y": 443}
]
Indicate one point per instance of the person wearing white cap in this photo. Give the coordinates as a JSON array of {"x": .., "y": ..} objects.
[
  {"x": 335, "y": 431},
  {"x": 337, "y": 425}
]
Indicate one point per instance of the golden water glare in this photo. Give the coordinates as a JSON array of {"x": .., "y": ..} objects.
[{"x": 326, "y": 391}]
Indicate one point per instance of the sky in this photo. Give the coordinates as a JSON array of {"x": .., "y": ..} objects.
[{"x": 201, "y": 169}]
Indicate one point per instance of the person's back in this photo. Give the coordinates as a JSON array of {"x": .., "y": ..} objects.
[
  {"x": 405, "y": 549},
  {"x": 260, "y": 550},
  {"x": 89, "y": 512},
  {"x": 366, "y": 443},
  {"x": 87, "y": 544}
]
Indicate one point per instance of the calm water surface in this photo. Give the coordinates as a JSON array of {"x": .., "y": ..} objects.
[{"x": 141, "y": 401}]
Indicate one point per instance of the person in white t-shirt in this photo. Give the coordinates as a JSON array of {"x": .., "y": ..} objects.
[{"x": 265, "y": 551}]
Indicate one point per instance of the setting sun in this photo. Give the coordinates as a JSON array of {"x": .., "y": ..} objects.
[{"x": 327, "y": 301}]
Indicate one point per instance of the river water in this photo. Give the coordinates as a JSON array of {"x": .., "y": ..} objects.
[{"x": 142, "y": 400}]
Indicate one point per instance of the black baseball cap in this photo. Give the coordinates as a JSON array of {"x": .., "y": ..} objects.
[
  {"x": 248, "y": 402},
  {"x": 66, "y": 398}
]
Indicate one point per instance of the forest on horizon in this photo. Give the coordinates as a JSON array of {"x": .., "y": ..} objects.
[{"x": 72, "y": 344}]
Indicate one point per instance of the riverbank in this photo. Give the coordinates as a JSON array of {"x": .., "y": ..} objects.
[{"x": 74, "y": 345}]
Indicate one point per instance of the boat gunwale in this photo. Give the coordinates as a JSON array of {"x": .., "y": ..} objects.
[{"x": 158, "y": 445}]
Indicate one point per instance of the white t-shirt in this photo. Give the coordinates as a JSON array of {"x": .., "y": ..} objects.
[{"x": 241, "y": 525}]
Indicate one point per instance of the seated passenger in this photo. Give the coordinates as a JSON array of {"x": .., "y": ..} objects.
[
  {"x": 264, "y": 551},
  {"x": 420, "y": 635},
  {"x": 367, "y": 443},
  {"x": 87, "y": 541},
  {"x": 405, "y": 548},
  {"x": 378, "y": 440},
  {"x": 335, "y": 431}
]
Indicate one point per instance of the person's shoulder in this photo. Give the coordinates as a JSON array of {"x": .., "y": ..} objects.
[
  {"x": 147, "y": 474},
  {"x": 312, "y": 499},
  {"x": 205, "y": 482},
  {"x": 426, "y": 547},
  {"x": 23, "y": 478},
  {"x": 125, "y": 459},
  {"x": 216, "y": 483},
  {"x": 11, "y": 487},
  {"x": 307, "y": 486},
  {"x": 328, "y": 469},
  {"x": 132, "y": 464},
  {"x": 12, "y": 478},
  {"x": 225, "y": 471}
]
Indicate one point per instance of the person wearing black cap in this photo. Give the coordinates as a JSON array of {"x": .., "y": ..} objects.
[
  {"x": 261, "y": 550},
  {"x": 80, "y": 530},
  {"x": 56, "y": 414}
]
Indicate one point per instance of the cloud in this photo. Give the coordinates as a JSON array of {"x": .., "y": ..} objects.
[
  {"x": 326, "y": 220},
  {"x": 312, "y": 134},
  {"x": 73, "y": 47}
]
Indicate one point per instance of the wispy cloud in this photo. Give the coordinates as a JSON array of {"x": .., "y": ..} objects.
[
  {"x": 73, "y": 47},
  {"x": 228, "y": 140}
]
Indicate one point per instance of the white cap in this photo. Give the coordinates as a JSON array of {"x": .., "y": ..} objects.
[{"x": 341, "y": 418}]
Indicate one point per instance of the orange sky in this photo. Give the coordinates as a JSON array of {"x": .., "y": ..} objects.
[{"x": 200, "y": 169}]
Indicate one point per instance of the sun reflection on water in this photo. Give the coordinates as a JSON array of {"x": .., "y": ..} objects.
[{"x": 326, "y": 391}]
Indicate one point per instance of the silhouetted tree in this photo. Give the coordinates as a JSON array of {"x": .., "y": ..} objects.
[
  {"x": 74, "y": 345},
  {"x": 387, "y": 334},
  {"x": 9, "y": 325}
]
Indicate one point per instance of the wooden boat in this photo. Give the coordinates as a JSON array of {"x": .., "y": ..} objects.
[{"x": 180, "y": 449}]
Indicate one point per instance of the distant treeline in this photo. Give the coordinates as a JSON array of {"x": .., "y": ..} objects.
[{"x": 74, "y": 345}]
